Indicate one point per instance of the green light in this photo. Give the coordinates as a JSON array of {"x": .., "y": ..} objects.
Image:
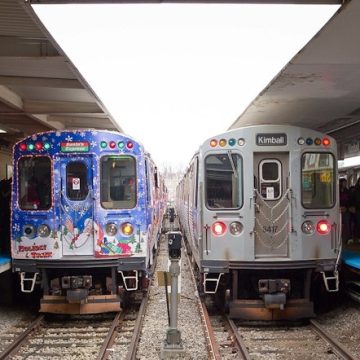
[
  {"x": 103, "y": 144},
  {"x": 46, "y": 146},
  {"x": 232, "y": 142},
  {"x": 121, "y": 144},
  {"x": 31, "y": 147}
]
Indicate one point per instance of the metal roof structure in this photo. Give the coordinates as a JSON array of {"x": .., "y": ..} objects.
[
  {"x": 40, "y": 89},
  {"x": 320, "y": 87}
]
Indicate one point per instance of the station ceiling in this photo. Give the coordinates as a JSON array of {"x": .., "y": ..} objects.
[
  {"x": 40, "y": 89},
  {"x": 320, "y": 87}
]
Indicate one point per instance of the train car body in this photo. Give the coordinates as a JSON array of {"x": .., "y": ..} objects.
[
  {"x": 86, "y": 212},
  {"x": 259, "y": 209}
]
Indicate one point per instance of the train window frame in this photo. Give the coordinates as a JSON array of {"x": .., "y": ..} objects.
[
  {"x": 333, "y": 177},
  {"x": 112, "y": 203},
  {"x": 240, "y": 181},
  {"x": 19, "y": 186},
  {"x": 277, "y": 180}
]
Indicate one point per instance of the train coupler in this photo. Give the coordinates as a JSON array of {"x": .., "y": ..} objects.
[
  {"x": 273, "y": 292},
  {"x": 331, "y": 282}
]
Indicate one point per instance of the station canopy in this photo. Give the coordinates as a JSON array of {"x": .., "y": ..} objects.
[{"x": 40, "y": 89}]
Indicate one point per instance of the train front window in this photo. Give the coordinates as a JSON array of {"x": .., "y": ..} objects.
[
  {"x": 318, "y": 180},
  {"x": 118, "y": 182},
  {"x": 224, "y": 184},
  {"x": 34, "y": 183}
]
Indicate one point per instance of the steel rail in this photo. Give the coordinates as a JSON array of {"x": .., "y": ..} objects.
[
  {"x": 338, "y": 348},
  {"x": 240, "y": 341},
  {"x": 109, "y": 340},
  {"x": 21, "y": 338}
]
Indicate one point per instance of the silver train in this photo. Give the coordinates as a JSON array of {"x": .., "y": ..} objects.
[{"x": 259, "y": 210}]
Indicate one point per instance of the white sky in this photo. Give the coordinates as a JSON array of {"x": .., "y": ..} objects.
[{"x": 173, "y": 75}]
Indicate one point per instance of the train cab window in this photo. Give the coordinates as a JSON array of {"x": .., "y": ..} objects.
[
  {"x": 118, "y": 182},
  {"x": 76, "y": 181},
  {"x": 270, "y": 179},
  {"x": 223, "y": 179},
  {"x": 35, "y": 183},
  {"x": 318, "y": 180}
]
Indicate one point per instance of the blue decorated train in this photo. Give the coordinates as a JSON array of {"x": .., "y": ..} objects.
[{"x": 87, "y": 208}]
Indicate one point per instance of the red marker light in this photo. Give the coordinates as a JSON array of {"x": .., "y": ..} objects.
[
  {"x": 38, "y": 145},
  {"x": 130, "y": 145},
  {"x": 323, "y": 227},
  {"x": 218, "y": 228},
  {"x": 22, "y": 146},
  {"x": 112, "y": 144},
  {"x": 326, "y": 142}
]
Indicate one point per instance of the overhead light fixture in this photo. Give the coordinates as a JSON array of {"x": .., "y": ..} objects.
[{"x": 2, "y": 131}]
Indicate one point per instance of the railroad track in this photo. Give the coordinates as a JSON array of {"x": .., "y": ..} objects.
[{"x": 77, "y": 337}]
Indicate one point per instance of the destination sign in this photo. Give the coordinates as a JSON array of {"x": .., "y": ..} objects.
[
  {"x": 271, "y": 139},
  {"x": 76, "y": 146}
]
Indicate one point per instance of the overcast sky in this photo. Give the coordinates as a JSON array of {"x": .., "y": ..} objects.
[{"x": 173, "y": 75}]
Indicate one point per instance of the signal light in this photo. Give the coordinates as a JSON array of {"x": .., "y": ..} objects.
[
  {"x": 323, "y": 227},
  {"x": 130, "y": 145},
  {"x": 326, "y": 141},
  {"x": 241, "y": 142},
  {"x": 112, "y": 144},
  {"x": 111, "y": 229},
  {"x": 30, "y": 147},
  {"x": 22, "y": 147},
  {"x": 218, "y": 228},
  {"x": 232, "y": 142},
  {"x": 103, "y": 144},
  {"x": 301, "y": 141},
  {"x": 213, "y": 143},
  {"x": 236, "y": 228},
  {"x": 309, "y": 141},
  {"x": 38, "y": 145},
  {"x": 317, "y": 141},
  {"x": 222, "y": 142},
  {"x": 121, "y": 144},
  {"x": 46, "y": 146}
]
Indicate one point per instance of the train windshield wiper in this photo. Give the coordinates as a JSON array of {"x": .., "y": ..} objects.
[{"x": 232, "y": 163}]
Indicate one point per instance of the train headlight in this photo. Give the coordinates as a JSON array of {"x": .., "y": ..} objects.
[
  {"x": 29, "y": 230},
  {"x": 127, "y": 229},
  {"x": 323, "y": 227},
  {"x": 43, "y": 230},
  {"x": 218, "y": 228},
  {"x": 236, "y": 228},
  {"x": 308, "y": 227},
  {"x": 111, "y": 229}
]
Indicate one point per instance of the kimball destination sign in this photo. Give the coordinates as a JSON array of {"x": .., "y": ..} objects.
[{"x": 271, "y": 139}]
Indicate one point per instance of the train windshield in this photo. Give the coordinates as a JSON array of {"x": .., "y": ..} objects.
[
  {"x": 118, "y": 182},
  {"x": 318, "y": 180},
  {"x": 34, "y": 183},
  {"x": 223, "y": 173}
]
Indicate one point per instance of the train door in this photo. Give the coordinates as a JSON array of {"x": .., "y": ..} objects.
[
  {"x": 272, "y": 212},
  {"x": 76, "y": 205}
]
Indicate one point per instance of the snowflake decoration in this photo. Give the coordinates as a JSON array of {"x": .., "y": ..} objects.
[
  {"x": 82, "y": 134},
  {"x": 93, "y": 143},
  {"x": 16, "y": 227},
  {"x": 69, "y": 138},
  {"x": 94, "y": 132}
]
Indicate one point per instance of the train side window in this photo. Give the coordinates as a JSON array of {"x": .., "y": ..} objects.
[
  {"x": 318, "y": 180},
  {"x": 224, "y": 181},
  {"x": 35, "y": 183},
  {"x": 118, "y": 182},
  {"x": 270, "y": 179},
  {"x": 76, "y": 181}
]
